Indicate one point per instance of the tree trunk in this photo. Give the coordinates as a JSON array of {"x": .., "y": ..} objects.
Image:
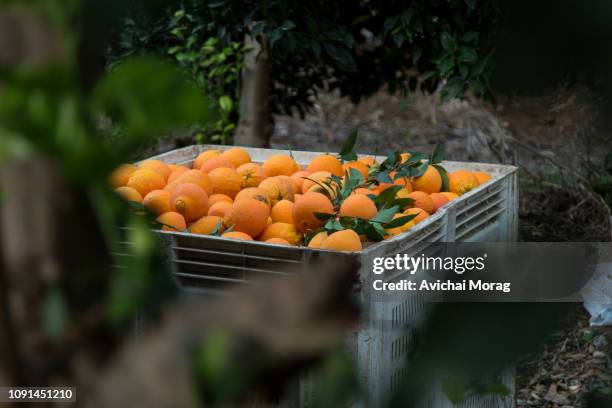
[{"x": 254, "y": 125}]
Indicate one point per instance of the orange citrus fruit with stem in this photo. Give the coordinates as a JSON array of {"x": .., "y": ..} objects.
[
  {"x": 129, "y": 194},
  {"x": 429, "y": 182},
  {"x": 207, "y": 225},
  {"x": 226, "y": 181},
  {"x": 419, "y": 212},
  {"x": 248, "y": 215},
  {"x": 305, "y": 208},
  {"x": 298, "y": 180},
  {"x": 358, "y": 205},
  {"x": 204, "y": 157},
  {"x": 237, "y": 235},
  {"x": 254, "y": 192},
  {"x": 157, "y": 166},
  {"x": 237, "y": 156},
  {"x": 277, "y": 188},
  {"x": 282, "y": 212},
  {"x": 145, "y": 180},
  {"x": 346, "y": 240},
  {"x": 157, "y": 201},
  {"x": 368, "y": 161},
  {"x": 197, "y": 177},
  {"x": 190, "y": 201},
  {"x": 461, "y": 181},
  {"x": 172, "y": 221},
  {"x": 422, "y": 200},
  {"x": 220, "y": 209},
  {"x": 252, "y": 174},
  {"x": 326, "y": 162},
  {"x": 282, "y": 230},
  {"x": 280, "y": 164},
  {"x": 314, "y": 179},
  {"x": 120, "y": 176}
]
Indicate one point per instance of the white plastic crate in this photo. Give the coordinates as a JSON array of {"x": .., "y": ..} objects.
[{"x": 209, "y": 265}]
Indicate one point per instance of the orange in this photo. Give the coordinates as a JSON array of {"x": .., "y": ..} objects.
[
  {"x": 420, "y": 214},
  {"x": 461, "y": 181},
  {"x": 282, "y": 212},
  {"x": 226, "y": 181},
  {"x": 422, "y": 200},
  {"x": 215, "y": 163},
  {"x": 220, "y": 209},
  {"x": 304, "y": 211},
  {"x": 326, "y": 162},
  {"x": 237, "y": 235},
  {"x": 277, "y": 188},
  {"x": 368, "y": 161},
  {"x": 438, "y": 200},
  {"x": 357, "y": 165},
  {"x": 247, "y": 215},
  {"x": 207, "y": 224},
  {"x": 177, "y": 172},
  {"x": 173, "y": 166},
  {"x": 298, "y": 180},
  {"x": 322, "y": 177},
  {"x": 403, "y": 193},
  {"x": 364, "y": 191},
  {"x": 317, "y": 240},
  {"x": 157, "y": 166},
  {"x": 157, "y": 201},
  {"x": 402, "y": 181},
  {"x": 129, "y": 194},
  {"x": 346, "y": 240},
  {"x": 204, "y": 157},
  {"x": 144, "y": 181},
  {"x": 358, "y": 205},
  {"x": 120, "y": 176},
  {"x": 237, "y": 156},
  {"x": 281, "y": 230},
  {"x": 404, "y": 157},
  {"x": 197, "y": 177},
  {"x": 429, "y": 182},
  {"x": 252, "y": 174},
  {"x": 172, "y": 221},
  {"x": 449, "y": 195},
  {"x": 215, "y": 198},
  {"x": 189, "y": 200},
  {"x": 278, "y": 241},
  {"x": 482, "y": 176},
  {"x": 253, "y": 192},
  {"x": 280, "y": 164}
]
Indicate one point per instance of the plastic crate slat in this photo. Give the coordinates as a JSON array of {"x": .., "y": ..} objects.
[
  {"x": 477, "y": 212},
  {"x": 236, "y": 255},
  {"x": 209, "y": 277},
  {"x": 234, "y": 267},
  {"x": 482, "y": 223}
]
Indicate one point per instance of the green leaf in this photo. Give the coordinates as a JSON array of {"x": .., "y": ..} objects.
[
  {"x": 288, "y": 25},
  {"x": 316, "y": 48},
  {"x": 137, "y": 92},
  {"x": 471, "y": 3},
  {"x": 360, "y": 19},
  {"x": 470, "y": 36},
  {"x": 443, "y": 175},
  {"x": 385, "y": 198},
  {"x": 225, "y": 102},
  {"x": 494, "y": 389},
  {"x": 454, "y": 390},
  {"x": 399, "y": 221},
  {"x": 346, "y": 152},
  {"x": 448, "y": 42},
  {"x": 324, "y": 216},
  {"x": 437, "y": 155},
  {"x": 385, "y": 215},
  {"x": 467, "y": 54}
]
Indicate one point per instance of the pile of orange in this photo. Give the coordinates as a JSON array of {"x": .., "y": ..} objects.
[{"x": 225, "y": 193}]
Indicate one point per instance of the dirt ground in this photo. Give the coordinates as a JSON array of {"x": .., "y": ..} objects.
[{"x": 559, "y": 140}]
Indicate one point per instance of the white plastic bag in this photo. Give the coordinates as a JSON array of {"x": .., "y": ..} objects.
[{"x": 597, "y": 295}]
